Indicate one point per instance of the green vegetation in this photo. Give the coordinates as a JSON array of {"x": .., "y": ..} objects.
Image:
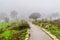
[
  {"x": 51, "y": 26},
  {"x": 13, "y": 31},
  {"x": 4, "y": 24}
]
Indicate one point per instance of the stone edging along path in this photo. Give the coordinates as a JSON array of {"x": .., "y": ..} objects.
[
  {"x": 52, "y": 36},
  {"x": 27, "y": 35},
  {"x": 48, "y": 33}
]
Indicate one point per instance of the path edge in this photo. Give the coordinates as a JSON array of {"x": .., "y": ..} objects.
[
  {"x": 48, "y": 33},
  {"x": 27, "y": 35}
]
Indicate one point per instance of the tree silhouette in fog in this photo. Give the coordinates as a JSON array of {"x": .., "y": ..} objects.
[
  {"x": 54, "y": 15},
  {"x": 14, "y": 14},
  {"x": 35, "y": 16},
  {"x": 4, "y": 16}
]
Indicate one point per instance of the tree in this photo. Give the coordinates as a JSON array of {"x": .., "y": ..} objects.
[
  {"x": 14, "y": 15},
  {"x": 4, "y": 16},
  {"x": 54, "y": 15},
  {"x": 6, "y": 19},
  {"x": 34, "y": 16}
]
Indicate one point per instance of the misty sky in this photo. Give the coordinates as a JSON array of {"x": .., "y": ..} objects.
[{"x": 26, "y": 7}]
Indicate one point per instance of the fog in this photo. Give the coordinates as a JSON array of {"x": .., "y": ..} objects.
[{"x": 26, "y": 7}]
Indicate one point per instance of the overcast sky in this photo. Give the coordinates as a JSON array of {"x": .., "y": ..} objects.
[{"x": 26, "y": 7}]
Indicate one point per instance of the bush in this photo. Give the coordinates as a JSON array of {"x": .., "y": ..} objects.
[
  {"x": 19, "y": 25},
  {"x": 14, "y": 31},
  {"x": 24, "y": 25}
]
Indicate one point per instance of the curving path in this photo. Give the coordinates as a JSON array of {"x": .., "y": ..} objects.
[{"x": 37, "y": 34}]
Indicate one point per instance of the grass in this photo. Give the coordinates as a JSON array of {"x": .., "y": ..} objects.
[
  {"x": 54, "y": 30},
  {"x": 4, "y": 25},
  {"x": 8, "y": 34}
]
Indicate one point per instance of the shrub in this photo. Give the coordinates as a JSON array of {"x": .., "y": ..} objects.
[{"x": 24, "y": 25}]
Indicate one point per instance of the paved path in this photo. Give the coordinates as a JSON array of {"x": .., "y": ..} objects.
[{"x": 37, "y": 34}]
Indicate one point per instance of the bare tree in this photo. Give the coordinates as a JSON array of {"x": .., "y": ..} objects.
[
  {"x": 34, "y": 16},
  {"x": 14, "y": 15}
]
